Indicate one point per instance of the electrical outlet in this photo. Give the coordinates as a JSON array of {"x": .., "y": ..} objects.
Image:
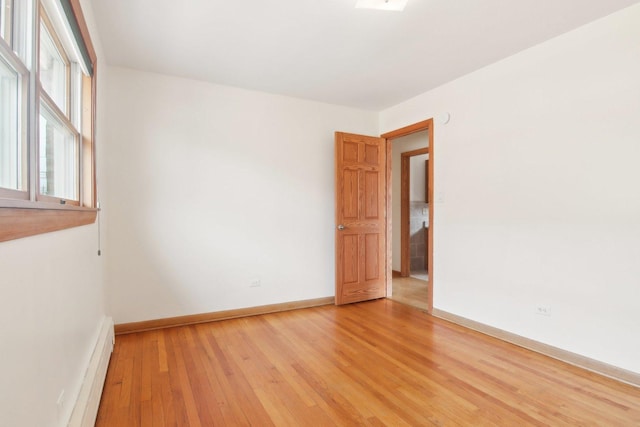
[
  {"x": 543, "y": 310},
  {"x": 255, "y": 283}
]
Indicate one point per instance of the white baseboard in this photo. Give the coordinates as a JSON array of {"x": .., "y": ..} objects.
[
  {"x": 578, "y": 360},
  {"x": 85, "y": 410}
]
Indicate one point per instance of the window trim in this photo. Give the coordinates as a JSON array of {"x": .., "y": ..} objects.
[
  {"x": 17, "y": 223},
  {"x": 22, "y": 218}
]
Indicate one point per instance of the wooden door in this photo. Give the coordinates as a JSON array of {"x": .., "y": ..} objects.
[{"x": 360, "y": 218}]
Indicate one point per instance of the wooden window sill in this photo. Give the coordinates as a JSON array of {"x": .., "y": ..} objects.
[{"x": 16, "y": 223}]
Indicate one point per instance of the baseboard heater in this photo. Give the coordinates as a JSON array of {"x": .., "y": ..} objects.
[{"x": 85, "y": 410}]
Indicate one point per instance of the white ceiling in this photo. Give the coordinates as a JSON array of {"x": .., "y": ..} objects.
[{"x": 326, "y": 50}]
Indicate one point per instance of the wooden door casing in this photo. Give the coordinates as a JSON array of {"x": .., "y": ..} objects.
[{"x": 360, "y": 208}]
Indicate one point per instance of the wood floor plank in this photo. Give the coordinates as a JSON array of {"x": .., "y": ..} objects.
[
  {"x": 177, "y": 389},
  {"x": 182, "y": 346},
  {"x": 234, "y": 391},
  {"x": 375, "y": 363},
  {"x": 283, "y": 361}
]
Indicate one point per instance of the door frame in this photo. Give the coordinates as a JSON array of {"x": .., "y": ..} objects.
[
  {"x": 389, "y": 137},
  {"x": 405, "y": 232}
]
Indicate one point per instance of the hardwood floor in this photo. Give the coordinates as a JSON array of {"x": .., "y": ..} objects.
[
  {"x": 411, "y": 291},
  {"x": 375, "y": 363}
]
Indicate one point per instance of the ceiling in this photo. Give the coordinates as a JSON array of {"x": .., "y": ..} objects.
[{"x": 326, "y": 50}]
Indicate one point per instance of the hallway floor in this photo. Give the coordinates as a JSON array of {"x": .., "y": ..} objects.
[{"x": 411, "y": 291}]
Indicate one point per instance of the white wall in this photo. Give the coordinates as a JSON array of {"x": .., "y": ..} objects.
[
  {"x": 398, "y": 146},
  {"x": 213, "y": 187},
  {"x": 538, "y": 176},
  {"x": 51, "y": 308}
]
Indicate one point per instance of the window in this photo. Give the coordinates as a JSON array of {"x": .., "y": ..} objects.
[
  {"x": 60, "y": 114},
  {"x": 47, "y": 110}
]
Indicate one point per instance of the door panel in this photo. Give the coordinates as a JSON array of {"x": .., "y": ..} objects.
[
  {"x": 351, "y": 255},
  {"x": 360, "y": 208},
  {"x": 371, "y": 254},
  {"x": 350, "y": 194},
  {"x": 371, "y": 195},
  {"x": 371, "y": 155}
]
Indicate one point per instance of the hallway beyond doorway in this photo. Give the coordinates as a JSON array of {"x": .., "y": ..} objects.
[{"x": 411, "y": 291}]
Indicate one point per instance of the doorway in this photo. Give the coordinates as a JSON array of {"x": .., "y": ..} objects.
[
  {"x": 410, "y": 214},
  {"x": 364, "y": 217},
  {"x": 410, "y": 223}
]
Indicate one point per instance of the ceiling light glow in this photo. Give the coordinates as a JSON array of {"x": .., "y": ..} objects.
[{"x": 395, "y": 5}]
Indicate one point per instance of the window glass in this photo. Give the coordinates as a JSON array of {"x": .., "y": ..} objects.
[
  {"x": 59, "y": 157},
  {"x": 53, "y": 69},
  {"x": 6, "y": 20},
  {"x": 10, "y": 147}
]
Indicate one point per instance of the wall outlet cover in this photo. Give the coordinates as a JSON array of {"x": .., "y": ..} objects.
[{"x": 543, "y": 310}]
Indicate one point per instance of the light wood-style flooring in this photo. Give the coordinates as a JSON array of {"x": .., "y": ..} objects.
[
  {"x": 411, "y": 291},
  {"x": 375, "y": 363}
]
